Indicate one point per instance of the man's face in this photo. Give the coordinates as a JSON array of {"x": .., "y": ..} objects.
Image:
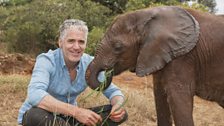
[{"x": 73, "y": 46}]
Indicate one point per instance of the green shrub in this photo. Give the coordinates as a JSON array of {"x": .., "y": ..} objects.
[
  {"x": 31, "y": 26},
  {"x": 34, "y": 27},
  {"x": 94, "y": 37}
]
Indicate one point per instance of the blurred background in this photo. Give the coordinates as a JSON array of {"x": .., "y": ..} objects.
[
  {"x": 219, "y": 7},
  {"x": 31, "y": 26}
]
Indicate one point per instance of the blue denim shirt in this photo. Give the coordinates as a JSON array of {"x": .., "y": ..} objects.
[{"x": 51, "y": 77}]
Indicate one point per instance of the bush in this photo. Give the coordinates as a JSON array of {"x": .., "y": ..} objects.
[
  {"x": 24, "y": 38},
  {"x": 94, "y": 37},
  {"x": 34, "y": 27},
  {"x": 31, "y": 26}
]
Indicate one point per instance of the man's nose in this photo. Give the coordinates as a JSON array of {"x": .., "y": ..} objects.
[{"x": 76, "y": 45}]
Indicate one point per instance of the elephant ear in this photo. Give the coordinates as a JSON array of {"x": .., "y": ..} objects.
[{"x": 170, "y": 32}]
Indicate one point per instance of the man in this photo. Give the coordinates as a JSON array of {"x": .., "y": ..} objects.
[{"x": 58, "y": 78}]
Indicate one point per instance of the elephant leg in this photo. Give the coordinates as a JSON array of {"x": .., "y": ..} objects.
[
  {"x": 174, "y": 88},
  {"x": 181, "y": 106},
  {"x": 179, "y": 84},
  {"x": 162, "y": 107}
]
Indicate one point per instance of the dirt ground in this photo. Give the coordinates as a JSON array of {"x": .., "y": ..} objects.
[
  {"x": 140, "y": 104},
  {"x": 205, "y": 113},
  {"x": 15, "y": 64}
]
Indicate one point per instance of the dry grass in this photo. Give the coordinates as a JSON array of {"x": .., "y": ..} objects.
[
  {"x": 140, "y": 104},
  {"x": 12, "y": 94}
]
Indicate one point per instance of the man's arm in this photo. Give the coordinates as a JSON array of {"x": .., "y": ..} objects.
[
  {"x": 118, "y": 112},
  {"x": 51, "y": 104},
  {"x": 84, "y": 116},
  {"x": 117, "y": 101},
  {"x": 38, "y": 95}
]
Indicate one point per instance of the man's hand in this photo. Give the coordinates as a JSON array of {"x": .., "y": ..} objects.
[
  {"x": 87, "y": 117},
  {"x": 117, "y": 113}
]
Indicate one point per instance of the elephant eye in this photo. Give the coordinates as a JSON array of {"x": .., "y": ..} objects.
[{"x": 118, "y": 46}]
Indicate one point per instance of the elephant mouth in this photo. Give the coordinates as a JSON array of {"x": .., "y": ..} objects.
[
  {"x": 99, "y": 84},
  {"x": 108, "y": 73},
  {"x": 132, "y": 69}
]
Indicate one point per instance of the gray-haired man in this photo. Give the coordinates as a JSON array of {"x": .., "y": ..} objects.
[{"x": 58, "y": 78}]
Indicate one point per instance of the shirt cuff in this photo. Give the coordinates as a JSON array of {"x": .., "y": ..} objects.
[{"x": 34, "y": 98}]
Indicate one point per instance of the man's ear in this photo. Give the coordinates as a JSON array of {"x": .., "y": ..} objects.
[{"x": 59, "y": 43}]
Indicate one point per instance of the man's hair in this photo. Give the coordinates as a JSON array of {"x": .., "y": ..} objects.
[{"x": 73, "y": 23}]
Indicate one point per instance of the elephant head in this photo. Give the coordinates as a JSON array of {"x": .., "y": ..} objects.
[{"x": 144, "y": 41}]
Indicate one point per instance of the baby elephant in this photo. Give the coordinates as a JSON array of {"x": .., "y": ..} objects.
[{"x": 181, "y": 48}]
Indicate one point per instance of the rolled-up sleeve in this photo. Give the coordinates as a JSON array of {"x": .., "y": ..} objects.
[
  {"x": 39, "y": 82},
  {"x": 112, "y": 90}
]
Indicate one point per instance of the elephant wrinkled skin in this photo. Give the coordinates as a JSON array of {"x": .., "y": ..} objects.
[{"x": 181, "y": 48}]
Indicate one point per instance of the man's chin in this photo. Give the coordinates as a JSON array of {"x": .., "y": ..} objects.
[{"x": 75, "y": 60}]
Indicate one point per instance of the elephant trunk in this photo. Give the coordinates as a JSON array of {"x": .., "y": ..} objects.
[{"x": 92, "y": 73}]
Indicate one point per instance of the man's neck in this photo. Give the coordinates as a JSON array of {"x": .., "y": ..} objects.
[
  {"x": 72, "y": 70},
  {"x": 72, "y": 66}
]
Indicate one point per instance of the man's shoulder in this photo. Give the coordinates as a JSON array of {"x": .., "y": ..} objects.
[
  {"x": 87, "y": 58},
  {"x": 51, "y": 55}
]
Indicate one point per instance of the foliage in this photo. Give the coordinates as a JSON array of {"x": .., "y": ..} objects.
[
  {"x": 93, "y": 38},
  {"x": 196, "y": 6},
  {"x": 168, "y": 2},
  {"x": 34, "y": 28},
  {"x": 13, "y": 2},
  {"x": 208, "y": 3},
  {"x": 24, "y": 38},
  {"x": 3, "y": 15},
  {"x": 117, "y": 6},
  {"x": 31, "y": 26},
  {"x": 137, "y": 4}
]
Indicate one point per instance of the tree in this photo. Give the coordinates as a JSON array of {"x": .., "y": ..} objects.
[
  {"x": 209, "y": 3},
  {"x": 13, "y": 2},
  {"x": 117, "y": 6},
  {"x": 34, "y": 27}
]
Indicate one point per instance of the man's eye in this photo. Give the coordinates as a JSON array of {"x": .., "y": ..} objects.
[
  {"x": 81, "y": 42},
  {"x": 70, "y": 41}
]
